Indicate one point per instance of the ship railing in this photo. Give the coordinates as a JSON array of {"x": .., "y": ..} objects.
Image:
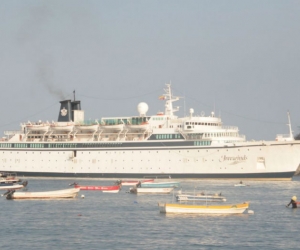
[
  {"x": 284, "y": 137},
  {"x": 230, "y": 127},
  {"x": 12, "y": 132}
]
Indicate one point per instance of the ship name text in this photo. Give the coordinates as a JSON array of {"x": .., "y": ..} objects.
[{"x": 232, "y": 158}]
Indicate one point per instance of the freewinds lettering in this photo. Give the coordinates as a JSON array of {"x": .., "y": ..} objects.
[{"x": 233, "y": 158}]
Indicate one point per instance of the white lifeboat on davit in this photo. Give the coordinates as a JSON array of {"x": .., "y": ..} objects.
[
  {"x": 87, "y": 127},
  {"x": 140, "y": 127},
  {"x": 37, "y": 126},
  {"x": 62, "y": 126}
]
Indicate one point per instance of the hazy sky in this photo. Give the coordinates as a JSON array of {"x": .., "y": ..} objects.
[{"x": 239, "y": 58}]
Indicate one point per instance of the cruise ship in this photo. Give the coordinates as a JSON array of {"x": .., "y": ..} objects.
[{"x": 144, "y": 145}]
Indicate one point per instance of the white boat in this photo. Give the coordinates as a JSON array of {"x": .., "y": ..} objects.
[
  {"x": 86, "y": 128},
  {"x": 136, "y": 190},
  {"x": 140, "y": 124},
  {"x": 141, "y": 127},
  {"x": 57, "y": 194},
  {"x": 13, "y": 186},
  {"x": 113, "y": 127},
  {"x": 37, "y": 127},
  {"x": 62, "y": 126},
  {"x": 9, "y": 178},
  {"x": 241, "y": 184},
  {"x": 203, "y": 209},
  {"x": 159, "y": 184},
  {"x": 202, "y": 196},
  {"x": 183, "y": 147},
  {"x": 133, "y": 182}
]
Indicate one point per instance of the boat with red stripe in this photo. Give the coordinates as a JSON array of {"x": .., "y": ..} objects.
[{"x": 104, "y": 189}]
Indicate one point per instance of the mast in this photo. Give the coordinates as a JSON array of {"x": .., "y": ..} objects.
[
  {"x": 290, "y": 126},
  {"x": 169, "y": 110}
]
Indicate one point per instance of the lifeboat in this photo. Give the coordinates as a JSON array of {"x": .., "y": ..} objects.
[
  {"x": 113, "y": 128},
  {"x": 62, "y": 126},
  {"x": 87, "y": 127},
  {"x": 39, "y": 126},
  {"x": 140, "y": 127}
]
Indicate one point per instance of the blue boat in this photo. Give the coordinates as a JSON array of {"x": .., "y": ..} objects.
[{"x": 159, "y": 184}]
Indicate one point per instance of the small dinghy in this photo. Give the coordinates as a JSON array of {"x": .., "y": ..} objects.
[
  {"x": 13, "y": 186},
  {"x": 168, "y": 184},
  {"x": 8, "y": 178},
  {"x": 202, "y": 196},
  {"x": 241, "y": 184},
  {"x": 104, "y": 189},
  {"x": 49, "y": 195},
  {"x": 137, "y": 190},
  {"x": 133, "y": 182}
]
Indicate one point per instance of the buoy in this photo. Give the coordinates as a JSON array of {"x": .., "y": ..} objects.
[
  {"x": 82, "y": 196},
  {"x": 250, "y": 212}
]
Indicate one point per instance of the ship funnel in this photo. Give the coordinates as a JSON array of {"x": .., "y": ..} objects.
[{"x": 66, "y": 112}]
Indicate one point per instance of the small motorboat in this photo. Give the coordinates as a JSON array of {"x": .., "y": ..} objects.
[
  {"x": 49, "y": 195},
  {"x": 241, "y": 184},
  {"x": 168, "y": 184},
  {"x": 9, "y": 178},
  {"x": 104, "y": 189},
  {"x": 133, "y": 182},
  {"x": 194, "y": 196},
  {"x": 13, "y": 186},
  {"x": 137, "y": 190},
  {"x": 203, "y": 209}
]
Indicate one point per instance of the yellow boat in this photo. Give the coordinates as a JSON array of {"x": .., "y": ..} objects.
[{"x": 203, "y": 209}]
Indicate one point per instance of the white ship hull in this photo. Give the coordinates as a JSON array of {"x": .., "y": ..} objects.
[{"x": 256, "y": 160}]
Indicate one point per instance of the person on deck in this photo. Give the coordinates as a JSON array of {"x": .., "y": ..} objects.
[{"x": 293, "y": 202}]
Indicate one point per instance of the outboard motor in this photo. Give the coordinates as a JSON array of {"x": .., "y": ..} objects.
[
  {"x": 118, "y": 182},
  {"x": 9, "y": 194}
]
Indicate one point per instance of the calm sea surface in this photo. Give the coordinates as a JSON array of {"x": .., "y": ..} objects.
[{"x": 128, "y": 221}]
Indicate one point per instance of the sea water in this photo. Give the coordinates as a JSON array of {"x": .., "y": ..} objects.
[{"x": 129, "y": 221}]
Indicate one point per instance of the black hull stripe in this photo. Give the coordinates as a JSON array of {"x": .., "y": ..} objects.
[{"x": 282, "y": 175}]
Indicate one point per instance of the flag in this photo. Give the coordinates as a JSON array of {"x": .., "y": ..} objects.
[{"x": 162, "y": 97}]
